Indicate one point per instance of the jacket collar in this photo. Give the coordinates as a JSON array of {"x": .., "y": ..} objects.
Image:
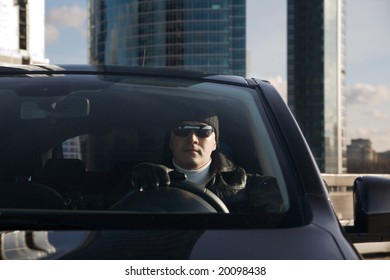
[{"x": 220, "y": 163}]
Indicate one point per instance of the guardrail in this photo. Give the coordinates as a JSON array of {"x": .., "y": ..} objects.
[
  {"x": 340, "y": 191},
  {"x": 344, "y": 182}
]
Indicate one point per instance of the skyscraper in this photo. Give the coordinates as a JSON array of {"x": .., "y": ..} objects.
[
  {"x": 22, "y": 26},
  {"x": 316, "y": 77},
  {"x": 207, "y": 35}
]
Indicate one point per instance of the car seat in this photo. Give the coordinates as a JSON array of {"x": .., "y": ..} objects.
[{"x": 67, "y": 177}]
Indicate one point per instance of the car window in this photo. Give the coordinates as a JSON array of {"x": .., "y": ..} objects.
[{"x": 84, "y": 140}]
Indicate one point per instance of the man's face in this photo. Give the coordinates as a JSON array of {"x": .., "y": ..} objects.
[{"x": 192, "y": 152}]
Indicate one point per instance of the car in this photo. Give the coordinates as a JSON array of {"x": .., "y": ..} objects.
[{"x": 72, "y": 135}]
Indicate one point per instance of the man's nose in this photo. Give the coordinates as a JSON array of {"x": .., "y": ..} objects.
[{"x": 192, "y": 137}]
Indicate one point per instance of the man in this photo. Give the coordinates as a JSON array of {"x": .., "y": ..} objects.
[{"x": 194, "y": 142}]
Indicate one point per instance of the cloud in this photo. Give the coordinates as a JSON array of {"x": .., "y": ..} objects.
[
  {"x": 365, "y": 94},
  {"x": 280, "y": 84},
  {"x": 68, "y": 16},
  {"x": 367, "y": 29},
  {"x": 51, "y": 33},
  {"x": 65, "y": 17},
  {"x": 378, "y": 115},
  {"x": 379, "y": 137},
  {"x": 267, "y": 51},
  {"x": 367, "y": 114}
]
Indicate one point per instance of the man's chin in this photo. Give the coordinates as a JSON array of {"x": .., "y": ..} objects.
[{"x": 191, "y": 165}]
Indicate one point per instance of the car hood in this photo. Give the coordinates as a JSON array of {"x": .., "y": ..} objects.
[{"x": 308, "y": 242}]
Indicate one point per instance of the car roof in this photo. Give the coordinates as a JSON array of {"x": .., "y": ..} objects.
[{"x": 51, "y": 69}]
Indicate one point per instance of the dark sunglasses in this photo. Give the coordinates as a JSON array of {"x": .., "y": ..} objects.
[{"x": 201, "y": 131}]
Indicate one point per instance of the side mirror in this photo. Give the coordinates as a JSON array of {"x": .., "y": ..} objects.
[{"x": 371, "y": 199}]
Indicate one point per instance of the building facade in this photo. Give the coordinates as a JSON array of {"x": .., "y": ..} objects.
[
  {"x": 206, "y": 35},
  {"x": 361, "y": 150},
  {"x": 316, "y": 77},
  {"x": 22, "y": 26}
]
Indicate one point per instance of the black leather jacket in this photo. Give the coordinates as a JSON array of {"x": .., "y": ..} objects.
[{"x": 242, "y": 192}]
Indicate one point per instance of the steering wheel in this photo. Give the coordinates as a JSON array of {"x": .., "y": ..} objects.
[{"x": 182, "y": 196}]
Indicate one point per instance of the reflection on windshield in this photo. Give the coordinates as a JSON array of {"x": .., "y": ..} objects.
[{"x": 79, "y": 151}]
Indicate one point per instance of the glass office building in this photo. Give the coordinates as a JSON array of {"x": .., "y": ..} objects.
[
  {"x": 207, "y": 35},
  {"x": 316, "y": 77}
]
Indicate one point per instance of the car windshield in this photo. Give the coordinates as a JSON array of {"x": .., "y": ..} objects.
[{"x": 80, "y": 137}]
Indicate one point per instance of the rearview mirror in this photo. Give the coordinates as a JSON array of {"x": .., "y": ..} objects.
[{"x": 69, "y": 107}]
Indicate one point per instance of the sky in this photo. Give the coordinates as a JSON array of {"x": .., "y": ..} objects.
[{"x": 367, "y": 55}]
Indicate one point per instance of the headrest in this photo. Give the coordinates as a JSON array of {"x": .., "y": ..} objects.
[{"x": 64, "y": 168}]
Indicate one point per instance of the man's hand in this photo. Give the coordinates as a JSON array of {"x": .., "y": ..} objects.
[{"x": 150, "y": 175}]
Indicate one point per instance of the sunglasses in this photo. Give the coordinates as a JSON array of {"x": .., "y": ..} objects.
[{"x": 201, "y": 131}]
